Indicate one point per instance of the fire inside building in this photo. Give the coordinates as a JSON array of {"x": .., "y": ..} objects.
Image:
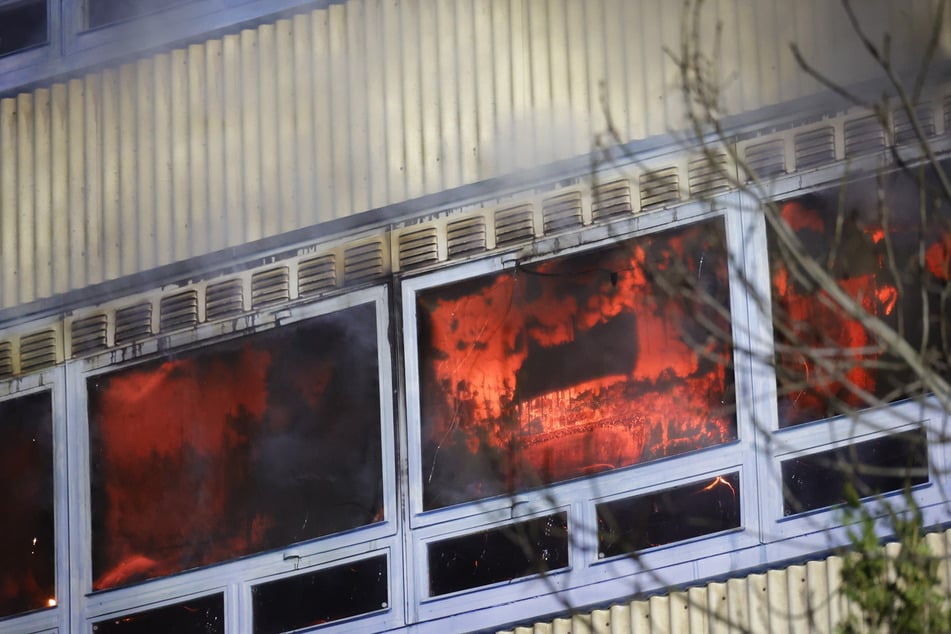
[{"x": 370, "y": 316}]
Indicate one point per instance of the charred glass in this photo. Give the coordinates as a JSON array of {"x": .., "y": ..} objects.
[
  {"x": 27, "y": 554},
  {"x": 889, "y": 463},
  {"x": 501, "y": 554},
  {"x": 890, "y": 253},
  {"x": 196, "y": 616},
  {"x": 320, "y": 597},
  {"x": 578, "y": 365},
  {"x": 668, "y": 516},
  {"x": 236, "y": 448},
  {"x": 23, "y": 25}
]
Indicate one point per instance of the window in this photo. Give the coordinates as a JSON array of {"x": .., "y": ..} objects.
[
  {"x": 102, "y": 12},
  {"x": 23, "y": 25}
]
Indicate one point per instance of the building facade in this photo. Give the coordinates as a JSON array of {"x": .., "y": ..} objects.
[{"x": 437, "y": 316}]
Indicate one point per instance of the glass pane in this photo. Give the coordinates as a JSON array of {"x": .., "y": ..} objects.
[
  {"x": 236, "y": 448},
  {"x": 578, "y": 365},
  {"x": 27, "y": 554},
  {"x": 881, "y": 253},
  {"x": 320, "y": 597},
  {"x": 875, "y": 466},
  {"x": 671, "y": 515},
  {"x": 501, "y": 554},
  {"x": 197, "y": 616},
  {"x": 22, "y": 25},
  {"x": 102, "y": 12}
]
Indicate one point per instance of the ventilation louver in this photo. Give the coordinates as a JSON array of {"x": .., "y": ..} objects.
[
  {"x": 132, "y": 323},
  {"x": 6, "y": 360},
  {"x": 863, "y": 135},
  {"x": 905, "y": 131},
  {"x": 766, "y": 159},
  {"x": 316, "y": 275},
  {"x": 514, "y": 224},
  {"x": 465, "y": 237},
  {"x": 815, "y": 148},
  {"x": 270, "y": 287},
  {"x": 659, "y": 188},
  {"x": 562, "y": 212},
  {"x": 611, "y": 200},
  {"x": 37, "y": 351},
  {"x": 224, "y": 299},
  {"x": 178, "y": 311},
  {"x": 363, "y": 262},
  {"x": 708, "y": 175},
  {"x": 89, "y": 334},
  {"x": 418, "y": 248}
]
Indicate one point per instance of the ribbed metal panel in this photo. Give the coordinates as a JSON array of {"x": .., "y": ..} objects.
[
  {"x": 364, "y": 104},
  {"x": 800, "y": 598}
]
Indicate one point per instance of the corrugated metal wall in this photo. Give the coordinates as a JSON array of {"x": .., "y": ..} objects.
[
  {"x": 798, "y": 599},
  {"x": 355, "y": 107}
]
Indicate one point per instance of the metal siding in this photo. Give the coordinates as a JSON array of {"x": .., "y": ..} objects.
[{"x": 360, "y": 105}]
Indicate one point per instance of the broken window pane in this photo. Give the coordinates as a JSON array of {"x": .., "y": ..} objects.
[
  {"x": 195, "y": 616},
  {"x": 668, "y": 516},
  {"x": 27, "y": 554},
  {"x": 500, "y": 554},
  {"x": 102, "y": 12},
  {"x": 890, "y": 254},
  {"x": 236, "y": 448},
  {"x": 577, "y": 365},
  {"x": 889, "y": 463},
  {"x": 22, "y": 25},
  {"x": 319, "y": 597}
]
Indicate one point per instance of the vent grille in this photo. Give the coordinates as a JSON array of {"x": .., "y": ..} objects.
[
  {"x": 89, "y": 334},
  {"x": 947, "y": 114},
  {"x": 514, "y": 224},
  {"x": 270, "y": 287},
  {"x": 707, "y": 175},
  {"x": 814, "y": 148},
  {"x": 224, "y": 299},
  {"x": 6, "y": 359},
  {"x": 37, "y": 351},
  {"x": 465, "y": 237},
  {"x": 659, "y": 188},
  {"x": 363, "y": 262},
  {"x": 178, "y": 311},
  {"x": 611, "y": 200},
  {"x": 863, "y": 135},
  {"x": 905, "y": 131},
  {"x": 562, "y": 212},
  {"x": 418, "y": 248},
  {"x": 134, "y": 322},
  {"x": 316, "y": 275},
  {"x": 766, "y": 159}
]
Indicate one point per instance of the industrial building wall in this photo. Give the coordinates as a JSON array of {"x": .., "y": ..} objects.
[{"x": 362, "y": 105}]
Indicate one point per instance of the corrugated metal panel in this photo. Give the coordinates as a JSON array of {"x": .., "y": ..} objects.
[
  {"x": 801, "y": 598},
  {"x": 361, "y": 105}
]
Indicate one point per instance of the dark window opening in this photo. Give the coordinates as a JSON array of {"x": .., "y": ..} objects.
[
  {"x": 23, "y": 25},
  {"x": 196, "y": 616},
  {"x": 518, "y": 550},
  {"x": 27, "y": 553},
  {"x": 671, "y": 515},
  {"x": 885, "y": 464},
  {"x": 575, "y": 366},
  {"x": 320, "y": 597},
  {"x": 236, "y": 448},
  {"x": 888, "y": 258},
  {"x": 103, "y": 12}
]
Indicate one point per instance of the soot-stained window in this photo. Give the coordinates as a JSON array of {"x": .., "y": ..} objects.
[
  {"x": 885, "y": 464},
  {"x": 196, "y": 616},
  {"x": 23, "y": 25},
  {"x": 891, "y": 254},
  {"x": 500, "y": 554},
  {"x": 103, "y": 12},
  {"x": 236, "y": 448},
  {"x": 27, "y": 577},
  {"x": 668, "y": 516},
  {"x": 575, "y": 366}
]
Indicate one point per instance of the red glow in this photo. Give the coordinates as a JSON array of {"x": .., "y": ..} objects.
[{"x": 576, "y": 366}]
